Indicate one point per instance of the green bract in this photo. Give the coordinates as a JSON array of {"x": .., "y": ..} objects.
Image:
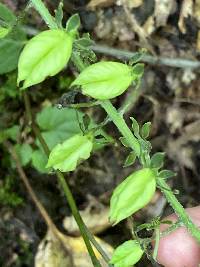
[
  {"x": 66, "y": 156},
  {"x": 132, "y": 194},
  {"x": 105, "y": 80},
  {"x": 44, "y": 55},
  {"x": 127, "y": 254}
]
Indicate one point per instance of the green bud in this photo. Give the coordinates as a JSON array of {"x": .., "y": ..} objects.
[{"x": 132, "y": 194}]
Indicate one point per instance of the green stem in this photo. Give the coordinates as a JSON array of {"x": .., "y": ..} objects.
[
  {"x": 121, "y": 125},
  {"x": 77, "y": 217},
  {"x": 44, "y": 13},
  {"x": 179, "y": 210},
  {"x": 63, "y": 184}
]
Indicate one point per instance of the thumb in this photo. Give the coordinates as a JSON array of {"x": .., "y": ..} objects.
[{"x": 179, "y": 248}]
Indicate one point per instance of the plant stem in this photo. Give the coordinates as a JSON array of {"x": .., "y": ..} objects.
[
  {"x": 179, "y": 210},
  {"x": 121, "y": 125},
  {"x": 44, "y": 13},
  {"x": 63, "y": 184},
  {"x": 172, "y": 200}
]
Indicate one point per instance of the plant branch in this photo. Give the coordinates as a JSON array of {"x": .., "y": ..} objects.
[
  {"x": 43, "y": 11},
  {"x": 63, "y": 183},
  {"x": 172, "y": 200},
  {"x": 166, "y": 61}
]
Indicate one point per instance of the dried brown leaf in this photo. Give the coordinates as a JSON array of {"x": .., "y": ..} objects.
[
  {"x": 100, "y": 3},
  {"x": 134, "y": 3},
  {"x": 198, "y": 41},
  {"x": 162, "y": 11},
  {"x": 149, "y": 26},
  {"x": 52, "y": 253},
  {"x": 186, "y": 11},
  {"x": 95, "y": 221},
  {"x": 197, "y": 10}
]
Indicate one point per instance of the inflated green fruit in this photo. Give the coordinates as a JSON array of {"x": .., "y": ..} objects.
[
  {"x": 127, "y": 254},
  {"x": 66, "y": 156},
  {"x": 44, "y": 55},
  {"x": 106, "y": 79},
  {"x": 132, "y": 194}
]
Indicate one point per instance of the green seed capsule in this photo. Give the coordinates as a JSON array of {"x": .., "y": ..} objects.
[
  {"x": 132, "y": 194},
  {"x": 105, "y": 80},
  {"x": 127, "y": 254}
]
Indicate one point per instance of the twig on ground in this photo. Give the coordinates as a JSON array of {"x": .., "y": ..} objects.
[
  {"x": 52, "y": 227},
  {"x": 166, "y": 61}
]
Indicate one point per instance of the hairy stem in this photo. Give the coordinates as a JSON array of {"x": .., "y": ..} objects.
[
  {"x": 179, "y": 210},
  {"x": 121, "y": 125}
]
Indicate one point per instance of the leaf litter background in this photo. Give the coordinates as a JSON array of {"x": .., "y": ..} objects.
[{"x": 169, "y": 98}]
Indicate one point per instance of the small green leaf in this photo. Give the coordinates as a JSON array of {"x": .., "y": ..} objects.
[
  {"x": 51, "y": 49},
  {"x": 66, "y": 156},
  {"x": 6, "y": 14},
  {"x": 13, "y": 132},
  {"x": 145, "y": 130},
  {"x": 24, "y": 152},
  {"x": 73, "y": 24},
  {"x": 58, "y": 125},
  {"x": 135, "y": 126},
  {"x": 105, "y": 80},
  {"x": 130, "y": 159},
  {"x": 124, "y": 142},
  {"x": 165, "y": 174},
  {"x": 39, "y": 161},
  {"x": 127, "y": 254},
  {"x": 84, "y": 42},
  {"x": 157, "y": 160},
  {"x": 59, "y": 15},
  {"x": 136, "y": 58},
  {"x": 3, "y": 32},
  {"x": 138, "y": 70},
  {"x": 9, "y": 53},
  {"x": 132, "y": 194}
]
